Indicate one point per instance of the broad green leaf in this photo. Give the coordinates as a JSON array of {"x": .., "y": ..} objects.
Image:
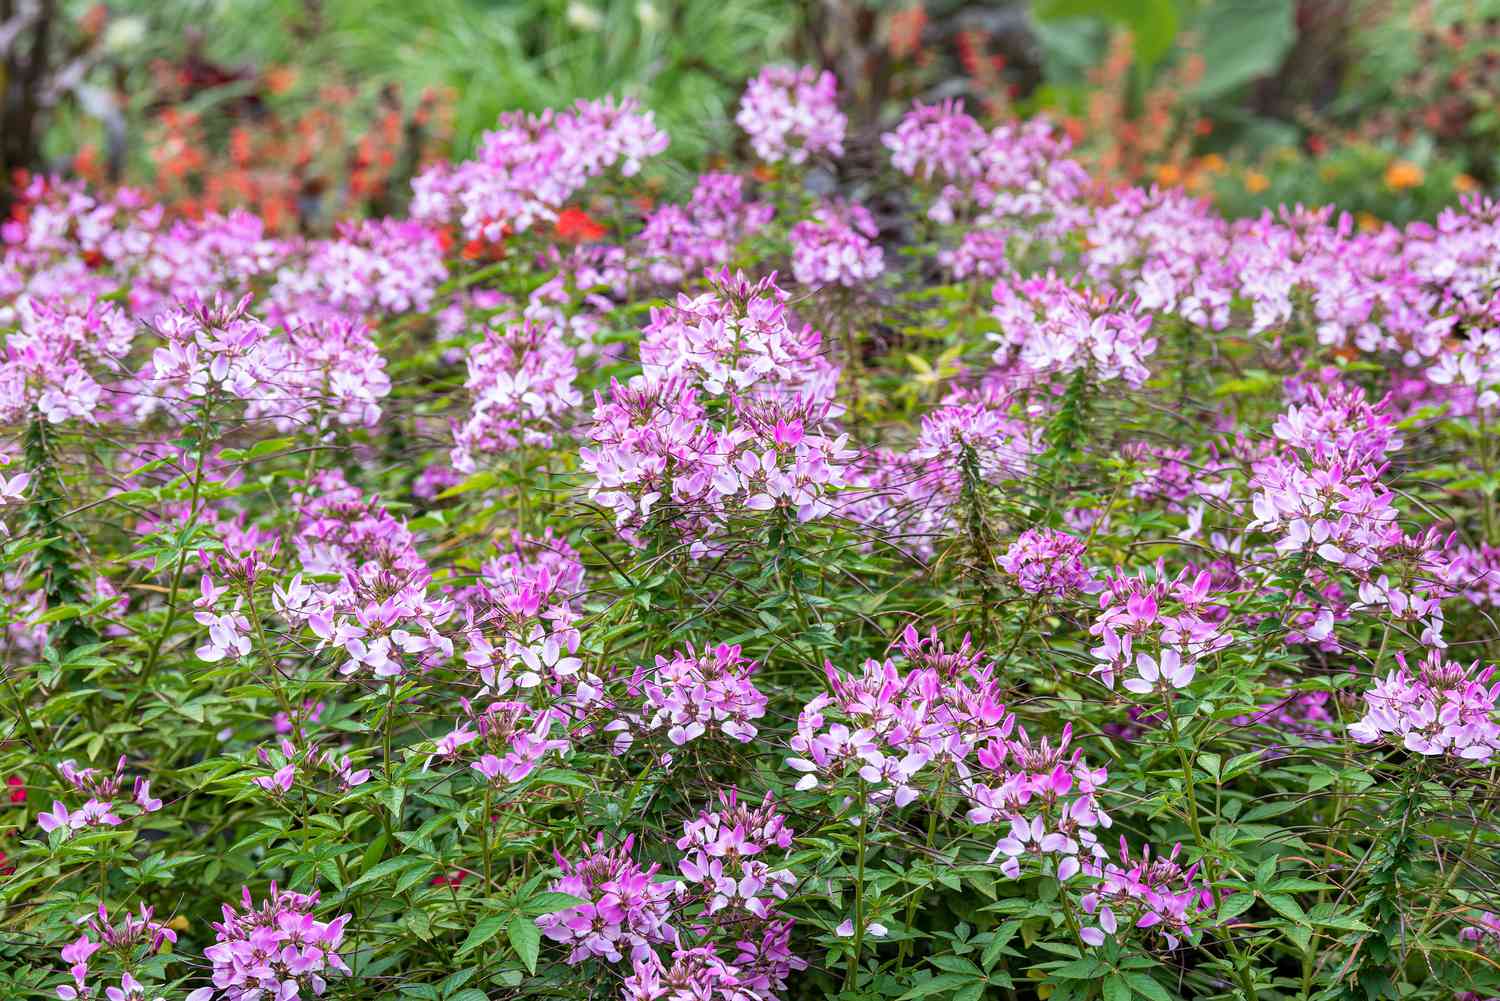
[
  {"x": 1152, "y": 23},
  {"x": 484, "y": 930},
  {"x": 526, "y": 939}
]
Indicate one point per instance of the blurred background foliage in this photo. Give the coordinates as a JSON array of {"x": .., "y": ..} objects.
[{"x": 309, "y": 109}]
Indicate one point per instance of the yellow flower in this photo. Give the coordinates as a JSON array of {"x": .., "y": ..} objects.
[
  {"x": 1256, "y": 182},
  {"x": 1403, "y": 174}
]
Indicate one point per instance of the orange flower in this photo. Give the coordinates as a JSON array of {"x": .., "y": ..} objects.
[
  {"x": 86, "y": 163},
  {"x": 1464, "y": 184},
  {"x": 280, "y": 79},
  {"x": 576, "y": 226},
  {"x": 1367, "y": 222},
  {"x": 905, "y": 31},
  {"x": 1256, "y": 182},
  {"x": 1168, "y": 175},
  {"x": 1403, "y": 174}
]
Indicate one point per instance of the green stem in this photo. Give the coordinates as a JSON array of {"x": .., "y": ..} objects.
[
  {"x": 851, "y": 974},
  {"x": 1459, "y": 864},
  {"x": 154, "y": 655},
  {"x": 1210, "y": 865},
  {"x": 1486, "y": 465},
  {"x": 932, "y": 825},
  {"x": 484, "y": 833}
]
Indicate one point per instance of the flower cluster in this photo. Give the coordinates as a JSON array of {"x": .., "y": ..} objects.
[
  {"x": 653, "y": 442},
  {"x": 1175, "y": 615},
  {"x": 679, "y": 241},
  {"x": 884, "y": 727},
  {"x": 521, "y": 383},
  {"x": 732, "y": 894},
  {"x": 1050, "y": 328},
  {"x": 288, "y": 765},
  {"x": 792, "y": 113},
  {"x": 740, "y": 338},
  {"x": 626, "y": 910},
  {"x": 276, "y": 950},
  {"x": 531, "y": 166},
  {"x": 126, "y": 939},
  {"x": 1018, "y": 171},
  {"x": 328, "y": 371},
  {"x": 1049, "y": 796},
  {"x": 1048, "y": 563},
  {"x": 511, "y": 739},
  {"x": 836, "y": 247},
  {"x": 1440, "y": 708},
  {"x": 689, "y": 693},
  {"x": 53, "y": 358},
  {"x": 1157, "y": 896},
  {"x": 375, "y": 266},
  {"x": 101, "y": 789}
]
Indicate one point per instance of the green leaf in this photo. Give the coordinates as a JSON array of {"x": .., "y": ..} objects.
[
  {"x": 1234, "y": 905},
  {"x": 943, "y": 982},
  {"x": 1116, "y": 988},
  {"x": 546, "y": 903},
  {"x": 1298, "y": 886},
  {"x": 997, "y": 944},
  {"x": 955, "y": 964},
  {"x": 1240, "y": 42},
  {"x": 1080, "y": 969},
  {"x": 1152, "y": 23},
  {"x": 269, "y": 446},
  {"x": 482, "y": 932},
  {"x": 1331, "y": 915},
  {"x": 1300, "y": 935},
  {"x": 58, "y": 614},
  {"x": 1287, "y": 907},
  {"x": 387, "y": 867},
  {"x": 1148, "y": 987},
  {"x": 526, "y": 938},
  {"x": 475, "y": 481}
]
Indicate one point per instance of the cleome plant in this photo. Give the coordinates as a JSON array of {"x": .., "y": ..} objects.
[{"x": 903, "y": 568}]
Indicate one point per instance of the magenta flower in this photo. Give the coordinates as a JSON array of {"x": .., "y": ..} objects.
[
  {"x": 1156, "y": 674},
  {"x": 836, "y": 247},
  {"x": 278, "y": 950},
  {"x": 792, "y": 113},
  {"x": 626, "y": 910},
  {"x": 1156, "y": 895},
  {"x": 1440, "y": 709},
  {"x": 1048, "y": 563}
]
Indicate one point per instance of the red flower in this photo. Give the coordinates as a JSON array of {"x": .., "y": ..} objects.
[
  {"x": 18, "y": 789},
  {"x": 577, "y": 226}
]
